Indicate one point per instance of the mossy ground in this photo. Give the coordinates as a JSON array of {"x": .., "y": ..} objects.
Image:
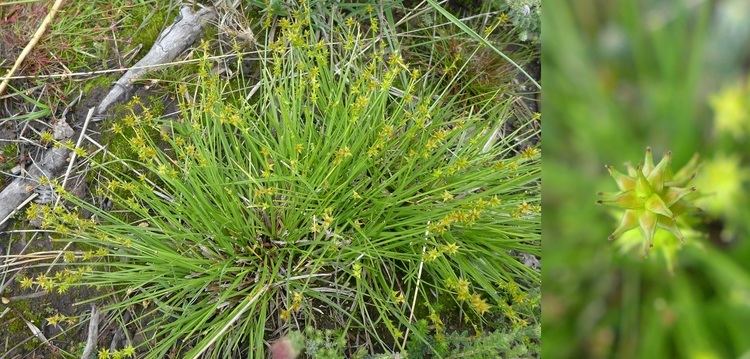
[
  {"x": 34, "y": 306},
  {"x": 84, "y": 37}
]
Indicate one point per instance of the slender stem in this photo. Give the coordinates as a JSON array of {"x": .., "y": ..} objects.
[{"x": 26, "y": 50}]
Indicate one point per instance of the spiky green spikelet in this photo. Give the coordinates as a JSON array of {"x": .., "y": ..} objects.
[{"x": 652, "y": 196}]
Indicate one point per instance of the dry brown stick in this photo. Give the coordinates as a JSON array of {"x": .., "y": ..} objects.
[
  {"x": 18, "y": 191},
  {"x": 172, "y": 41},
  {"x": 71, "y": 161},
  {"x": 416, "y": 291},
  {"x": 89, "y": 351},
  {"x": 26, "y": 50}
]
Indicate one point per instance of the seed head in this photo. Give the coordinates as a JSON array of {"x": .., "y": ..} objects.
[{"x": 652, "y": 197}]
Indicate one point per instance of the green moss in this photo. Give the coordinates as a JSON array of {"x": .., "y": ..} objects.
[
  {"x": 10, "y": 149},
  {"x": 99, "y": 82},
  {"x": 30, "y": 311},
  {"x": 118, "y": 145},
  {"x": 16, "y": 327},
  {"x": 31, "y": 344},
  {"x": 143, "y": 24},
  {"x": 8, "y": 156}
]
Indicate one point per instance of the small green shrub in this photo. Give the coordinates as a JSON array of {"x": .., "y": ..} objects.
[{"x": 525, "y": 15}]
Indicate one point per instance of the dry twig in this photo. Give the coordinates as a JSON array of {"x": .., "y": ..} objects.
[{"x": 26, "y": 50}]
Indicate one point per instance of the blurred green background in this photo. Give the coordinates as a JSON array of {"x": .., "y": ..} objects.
[{"x": 619, "y": 76}]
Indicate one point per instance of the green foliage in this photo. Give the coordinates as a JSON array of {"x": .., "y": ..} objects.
[
  {"x": 481, "y": 39},
  {"x": 453, "y": 52}
]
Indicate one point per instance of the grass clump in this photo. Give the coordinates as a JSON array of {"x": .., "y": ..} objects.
[{"x": 342, "y": 192}]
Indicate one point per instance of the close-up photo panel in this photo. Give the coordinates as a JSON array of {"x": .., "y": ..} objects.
[{"x": 646, "y": 151}]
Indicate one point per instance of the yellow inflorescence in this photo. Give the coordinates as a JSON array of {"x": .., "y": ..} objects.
[
  {"x": 732, "y": 110},
  {"x": 652, "y": 197},
  {"x": 464, "y": 216}
]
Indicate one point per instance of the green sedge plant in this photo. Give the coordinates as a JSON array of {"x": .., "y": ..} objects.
[{"x": 344, "y": 189}]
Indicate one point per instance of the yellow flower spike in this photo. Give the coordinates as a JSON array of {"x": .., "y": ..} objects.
[
  {"x": 296, "y": 301},
  {"x": 46, "y": 137},
  {"x": 726, "y": 176},
  {"x": 88, "y": 255},
  {"x": 55, "y": 319},
  {"x": 431, "y": 255},
  {"x": 462, "y": 289},
  {"x": 731, "y": 113},
  {"x": 436, "y": 321},
  {"x": 398, "y": 297},
  {"x": 63, "y": 288},
  {"x": 479, "y": 304},
  {"x": 450, "y": 248},
  {"x": 530, "y": 152},
  {"x": 652, "y": 198},
  {"x": 26, "y": 282},
  {"x": 103, "y": 354},
  {"x": 357, "y": 270}
]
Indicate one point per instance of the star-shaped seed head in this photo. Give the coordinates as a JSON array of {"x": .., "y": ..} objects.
[{"x": 652, "y": 196}]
